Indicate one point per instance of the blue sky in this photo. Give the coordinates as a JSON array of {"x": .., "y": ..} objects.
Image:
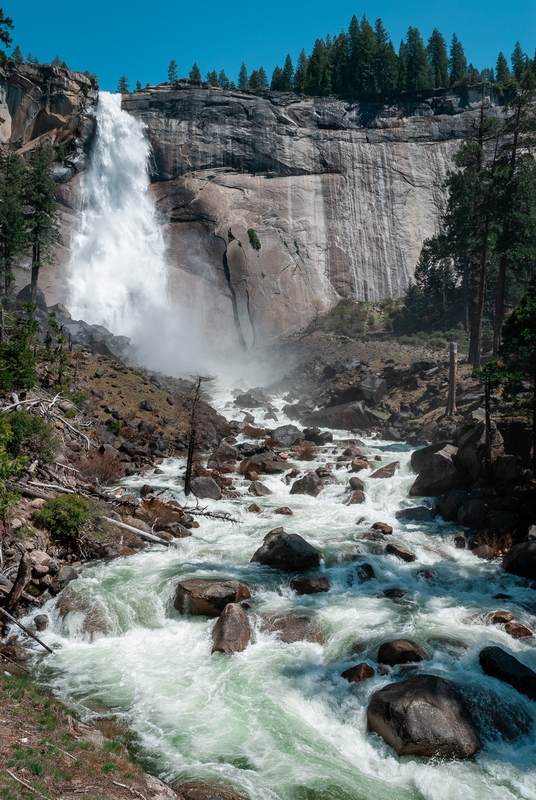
[{"x": 111, "y": 37}]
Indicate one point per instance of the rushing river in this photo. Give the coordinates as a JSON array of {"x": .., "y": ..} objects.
[{"x": 277, "y": 721}]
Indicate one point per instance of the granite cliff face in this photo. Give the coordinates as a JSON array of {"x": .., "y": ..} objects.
[
  {"x": 53, "y": 103},
  {"x": 341, "y": 195}
]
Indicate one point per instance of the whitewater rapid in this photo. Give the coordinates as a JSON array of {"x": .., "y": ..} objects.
[{"x": 277, "y": 721}]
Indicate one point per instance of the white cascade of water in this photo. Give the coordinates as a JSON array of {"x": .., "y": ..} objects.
[{"x": 117, "y": 271}]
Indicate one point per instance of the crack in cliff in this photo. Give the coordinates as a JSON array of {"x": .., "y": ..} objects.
[{"x": 232, "y": 293}]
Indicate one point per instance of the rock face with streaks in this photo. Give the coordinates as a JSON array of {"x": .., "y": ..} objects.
[{"x": 340, "y": 194}]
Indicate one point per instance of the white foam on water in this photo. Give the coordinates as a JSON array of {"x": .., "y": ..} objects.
[{"x": 277, "y": 721}]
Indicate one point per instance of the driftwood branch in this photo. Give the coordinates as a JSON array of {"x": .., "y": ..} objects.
[
  {"x": 26, "y": 785},
  {"x": 26, "y": 631},
  {"x": 52, "y": 486},
  {"x": 149, "y": 536},
  {"x": 26, "y": 491}
]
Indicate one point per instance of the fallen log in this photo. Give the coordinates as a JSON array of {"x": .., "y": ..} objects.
[
  {"x": 25, "y": 629},
  {"x": 28, "y": 492},
  {"x": 144, "y": 535}
]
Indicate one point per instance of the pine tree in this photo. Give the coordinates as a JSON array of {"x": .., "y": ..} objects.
[
  {"x": 519, "y": 350},
  {"x": 418, "y": 69},
  {"x": 340, "y": 64},
  {"x": 437, "y": 54},
  {"x": 354, "y": 34},
  {"x": 366, "y": 59},
  {"x": 56, "y": 61},
  {"x": 243, "y": 78},
  {"x": 457, "y": 61},
  {"x": 502, "y": 73},
  {"x": 402, "y": 81},
  {"x": 43, "y": 227},
  {"x": 386, "y": 61},
  {"x": 122, "y": 85},
  {"x": 195, "y": 74},
  {"x": 212, "y": 78},
  {"x": 253, "y": 82},
  {"x": 262, "y": 79},
  {"x": 519, "y": 62},
  {"x": 223, "y": 80},
  {"x": 287, "y": 75},
  {"x": 318, "y": 83},
  {"x": 6, "y": 25},
  {"x": 277, "y": 80},
  {"x": 138, "y": 87},
  {"x": 32, "y": 59},
  {"x": 13, "y": 228},
  {"x": 173, "y": 71},
  {"x": 300, "y": 76},
  {"x": 17, "y": 56}
]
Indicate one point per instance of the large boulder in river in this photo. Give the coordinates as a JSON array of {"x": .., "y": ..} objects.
[
  {"x": 401, "y": 651},
  {"x": 472, "y": 450},
  {"x": 287, "y": 551},
  {"x": 231, "y": 633},
  {"x": 499, "y": 664},
  {"x": 421, "y": 458},
  {"x": 423, "y": 716},
  {"x": 287, "y": 435},
  {"x": 521, "y": 560},
  {"x": 208, "y": 597},
  {"x": 438, "y": 475},
  {"x": 347, "y": 416},
  {"x": 306, "y": 585},
  {"x": 292, "y": 627},
  {"x": 205, "y": 488},
  {"x": 309, "y": 484}
]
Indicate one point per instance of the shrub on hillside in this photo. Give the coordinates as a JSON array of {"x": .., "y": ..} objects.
[
  {"x": 64, "y": 517},
  {"x": 32, "y": 437},
  {"x": 105, "y": 468}
]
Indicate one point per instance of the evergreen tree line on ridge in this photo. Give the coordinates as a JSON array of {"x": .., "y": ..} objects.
[{"x": 362, "y": 62}]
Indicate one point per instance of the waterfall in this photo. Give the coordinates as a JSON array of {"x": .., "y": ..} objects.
[{"x": 117, "y": 271}]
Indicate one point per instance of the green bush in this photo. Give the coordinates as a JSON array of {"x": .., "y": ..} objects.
[
  {"x": 32, "y": 436},
  {"x": 254, "y": 239},
  {"x": 114, "y": 426},
  {"x": 64, "y": 516}
]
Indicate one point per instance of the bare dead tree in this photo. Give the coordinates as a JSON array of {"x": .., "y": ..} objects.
[{"x": 200, "y": 385}]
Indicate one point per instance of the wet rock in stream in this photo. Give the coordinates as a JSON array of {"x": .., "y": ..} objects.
[
  {"x": 208, "y": 597},
  {"x": 287, "y": 551},
  {"x": 423, "y": 716},
  {"x": 231, "y": 633}
]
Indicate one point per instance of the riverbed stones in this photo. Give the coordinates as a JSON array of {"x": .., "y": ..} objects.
[
  {"x": 205, "y": 488},
  {"x": 401, "y": 651},
  {"x": 356, "y": 498},
  {"x": 202, "y": 791},
  {"x": 310, "y": 484},
  {"x": 356, "y": 484},
  {"x": 259, "y": 489},
  {"x": 517, "y": 630},
  {"x": 499, "y": 664},
  {"x": 400, "y": 552},
  {"x": 62, "y": 578},
  {"x": 306, "y": 585},
  {"x": 499, "y": 617},
  {"x": 415, "y": 514},
  {"x": 287, "y": 551},
  {"x": 383, "y": 527},
  {"x": 292, "y": 627},
  {"x": 284, "y": 511},
  {"x": 423, "y": 716},
  {"x": 208, "y": 597},
  {"x": 386, "y": 472},
  {"x": 287, "y": 435},
  {"x": 231, "y": 633},
  {"x": 361, "y": 672},
  {"x": 521, "y": 560},
  {"x": 438, "y": 475}
]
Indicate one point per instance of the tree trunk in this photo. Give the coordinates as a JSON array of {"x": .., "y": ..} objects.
[
  {"x": 36, "y": 263},
  {"x": 23, "y": 576}
]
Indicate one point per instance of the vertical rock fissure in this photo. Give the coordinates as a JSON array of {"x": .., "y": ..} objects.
[{"x": 234, "y": 304}]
